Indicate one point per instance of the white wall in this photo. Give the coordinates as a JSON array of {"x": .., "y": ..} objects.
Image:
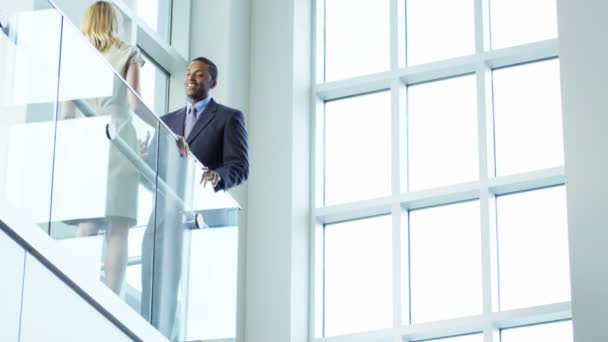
[
  {"x": 278, "y": 220},
  {"x": 44, "y": 296},
  {"x": 583, "y": 48}
]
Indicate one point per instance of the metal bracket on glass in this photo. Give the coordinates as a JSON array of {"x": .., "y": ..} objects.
[
  {"x": 191, "y": 218},
  {"x": 198, "y": 222}
]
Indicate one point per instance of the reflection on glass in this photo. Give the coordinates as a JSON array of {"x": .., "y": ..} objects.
[
  {"x": 358, "y": 148},
  {"x": 439, "y": 29},
  {"x": 464, "y": 338},
  {"x": 554, "y": 332},
  {"x": 357, "y": 36},
  {"x": 533, "y": 236},
  {"x": 515, "y": 22},
  {"x": 527, "y": 117},
  {"x": 445, "y": 262},
  {"x": 442, "y": 133},
  {"x": 358, "y": 276},
  {"x": 29, "y": 62}
]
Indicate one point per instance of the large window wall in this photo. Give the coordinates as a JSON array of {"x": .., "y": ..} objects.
[{"x": 440, "y": 207}]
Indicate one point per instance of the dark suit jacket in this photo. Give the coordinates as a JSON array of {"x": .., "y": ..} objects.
[{"x": 218, "y": 140}]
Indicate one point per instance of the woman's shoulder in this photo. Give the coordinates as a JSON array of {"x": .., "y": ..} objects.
[
  {"x": 129, "y": 52},
  {"x": 124, "y": 47}
]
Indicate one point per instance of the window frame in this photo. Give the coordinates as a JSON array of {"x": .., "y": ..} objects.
[{"x": 485, "y": 189}]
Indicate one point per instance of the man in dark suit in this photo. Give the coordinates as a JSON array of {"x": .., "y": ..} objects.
[{"x": 217, "y": 137}]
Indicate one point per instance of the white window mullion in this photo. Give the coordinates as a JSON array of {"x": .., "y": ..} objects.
[
  {"x": 396, "y": 133},
  {"x": 489, "y": 261},
  {"x": 317, "y": 281},
  {"x": 397, "y": 34},
  {"x": 317, "y": 261},
  {"x": 319, "y": 42},
  {"x": 482, "y": 25},
  {"x": 491, "y": 333},
  {"x": 485, "y": 122},
  {"x": 398, "y": 277},
  {"x": 486, "y": 197}
]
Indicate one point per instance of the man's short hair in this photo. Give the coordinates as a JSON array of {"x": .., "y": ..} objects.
[{"x": 212, "y": 67}]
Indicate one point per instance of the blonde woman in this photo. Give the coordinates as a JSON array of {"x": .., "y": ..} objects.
[{"x": 100, "y": 25}]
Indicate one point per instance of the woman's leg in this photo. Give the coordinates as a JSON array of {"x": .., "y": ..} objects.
[{"x": 117, "y": 238}]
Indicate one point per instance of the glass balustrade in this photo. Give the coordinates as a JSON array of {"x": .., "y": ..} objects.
[{"x": 86, "y": 160}]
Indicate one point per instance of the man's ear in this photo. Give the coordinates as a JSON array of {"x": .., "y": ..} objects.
[{"x": 213, "y": 84}]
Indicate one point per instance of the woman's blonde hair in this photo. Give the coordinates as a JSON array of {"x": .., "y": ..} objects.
[{"x": 100, "y": 25}]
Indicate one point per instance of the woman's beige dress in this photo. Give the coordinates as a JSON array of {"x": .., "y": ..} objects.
[{"x": 123, "y": 177}]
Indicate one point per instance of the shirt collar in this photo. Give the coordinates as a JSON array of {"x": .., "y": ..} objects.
[{"x": 200, "y": 106}]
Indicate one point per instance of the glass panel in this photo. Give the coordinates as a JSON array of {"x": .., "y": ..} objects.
[
  {"x": 103, "y": 189},
  {"x": 357, "y": 34},
  {"x": 439, "y": 29},
  {"x": 533, "y": 236},
  {"x": 465, "y": 338},
  {"x": 212, "y": 285},
  {"x": 528, "y": 117},
  {"x": 515, "y": 22},
  {"x": 554, "y": 332},
  {"x": 358, "y": 148},
  {"x": 28, "y": 100},
  {"x": 166, "y": 248},
  {"x": 207, "y": 300},
  {"x": 445, "y": 262},
  {"x": 358, "y": 276},
  {"x": 442, "y": 133}
]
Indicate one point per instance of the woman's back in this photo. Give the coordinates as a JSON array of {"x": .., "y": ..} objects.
[{"x": 120, "y": 56}]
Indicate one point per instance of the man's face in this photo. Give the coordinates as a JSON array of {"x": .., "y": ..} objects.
[{"x": 198, "y": 81}]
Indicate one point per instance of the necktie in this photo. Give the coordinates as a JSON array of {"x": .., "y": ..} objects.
[{"x": 190, "y": 121}]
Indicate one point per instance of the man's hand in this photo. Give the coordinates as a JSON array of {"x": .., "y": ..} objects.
[
  {"x": 182, "y": 145},
  {"x": 144, "y": 148},
  {"x": 211, "y": 177}
]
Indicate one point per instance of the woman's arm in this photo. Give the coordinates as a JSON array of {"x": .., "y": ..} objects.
[{"x": 133, "y": 81}]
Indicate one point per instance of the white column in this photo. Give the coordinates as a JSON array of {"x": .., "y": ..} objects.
[
  {"x": 584, "y": 71},
  {"x": 278, "y": 198}
]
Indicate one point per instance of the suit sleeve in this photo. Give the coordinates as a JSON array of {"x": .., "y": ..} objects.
[{"x": 235, "y": 164}]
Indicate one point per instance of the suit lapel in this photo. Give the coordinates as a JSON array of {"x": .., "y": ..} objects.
[
  {"x": 207, "y": 116},
  {"x": 175, "y": 121}
]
